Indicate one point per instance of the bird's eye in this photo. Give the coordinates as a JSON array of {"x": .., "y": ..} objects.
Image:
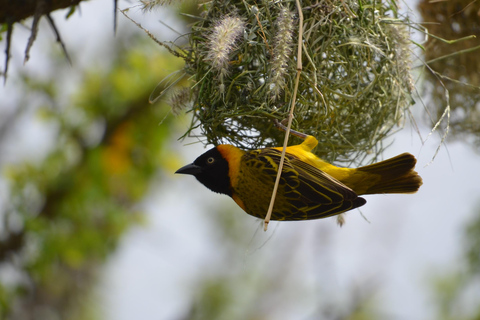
[{"x": 210, "y": 160}]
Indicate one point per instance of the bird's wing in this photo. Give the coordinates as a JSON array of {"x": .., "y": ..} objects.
[{"x": 309, "y": 192}]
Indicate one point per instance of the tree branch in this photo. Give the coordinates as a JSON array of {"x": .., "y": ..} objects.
[{"x": 18, "y": 10}]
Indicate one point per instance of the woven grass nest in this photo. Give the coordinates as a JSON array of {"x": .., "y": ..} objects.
[{"x": 354, "y": 86}]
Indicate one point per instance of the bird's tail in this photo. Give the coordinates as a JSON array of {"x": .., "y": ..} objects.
[{"x": 395, "y": 175}]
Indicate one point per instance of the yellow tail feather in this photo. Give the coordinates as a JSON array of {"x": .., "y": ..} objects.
[{"x": 395, "y": 175}]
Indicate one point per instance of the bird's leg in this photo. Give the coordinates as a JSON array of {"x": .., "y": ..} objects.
[
  {"x": 281, "y": 126},
  {"x": 309, "y": 142}
]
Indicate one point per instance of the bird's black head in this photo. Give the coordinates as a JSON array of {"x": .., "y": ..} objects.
[{"x": 211, "y": 169}]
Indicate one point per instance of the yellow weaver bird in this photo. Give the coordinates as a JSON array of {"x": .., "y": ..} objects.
[{"x": 310, "y": 188}]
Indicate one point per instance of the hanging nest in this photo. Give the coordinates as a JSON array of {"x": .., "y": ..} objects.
[
  {"x": 458, "y": 73},
  {"x": 354, "y": 87}
]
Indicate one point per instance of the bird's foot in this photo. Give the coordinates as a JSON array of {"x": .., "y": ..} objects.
[{"x": 282, "y": 126}]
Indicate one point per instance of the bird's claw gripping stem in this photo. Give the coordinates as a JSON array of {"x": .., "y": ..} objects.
[{"x": 282, "y": 127}]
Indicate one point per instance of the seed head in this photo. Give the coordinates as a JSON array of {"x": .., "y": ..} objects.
[
  {"x": 221, "y": 42},
  {"x": 282, "y": 49}
]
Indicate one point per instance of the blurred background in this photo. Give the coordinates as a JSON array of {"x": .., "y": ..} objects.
[{"x": 95, "y": 225}]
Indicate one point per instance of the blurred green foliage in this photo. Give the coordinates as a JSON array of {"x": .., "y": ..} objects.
[
  {"x": 473, "y": 244},
  {"x": 457, "y": 292},
  {"x": 68, "y": 211}
]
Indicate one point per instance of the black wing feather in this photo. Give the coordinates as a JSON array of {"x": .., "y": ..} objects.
[{"x": 309, "y": 193}]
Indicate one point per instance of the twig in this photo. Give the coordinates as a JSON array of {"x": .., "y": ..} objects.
[
  {"x": 349, "y": 11},
  {"x": 7, "y": 50},
  {"x": 59, "y": 39},
  {"x": 446, "y": 113},
  {"x": 262, "y": 35},
  {"x": 115, "y": 18},
  {"x": 39, "y": 10},
  {"x": 175, "y": 53},
  {"x": 290, "y": 115},
  {"x": 453, "y": 54}
]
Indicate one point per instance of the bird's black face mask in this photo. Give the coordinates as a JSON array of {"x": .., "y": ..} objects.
[{"x": 211, "y": 169}]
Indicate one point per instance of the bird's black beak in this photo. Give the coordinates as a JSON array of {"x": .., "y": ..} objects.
[{"x": 191, "y": 168}]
